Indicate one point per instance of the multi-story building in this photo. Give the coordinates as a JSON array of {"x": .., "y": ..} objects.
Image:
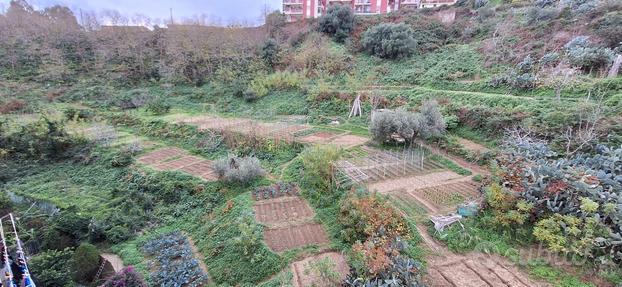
[{"x": 299, "y": 9}]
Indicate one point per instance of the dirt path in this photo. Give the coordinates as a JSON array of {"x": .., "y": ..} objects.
[
  {"x": 196, "y": 254},
  {"x": 115, "y": 261}
]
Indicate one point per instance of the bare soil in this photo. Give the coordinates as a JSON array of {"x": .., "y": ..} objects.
[
  {"x": 349, "y": 141},
  {"x": 115, "y": 261},
  {"x": 282, "y": 210},
  {"x": 285, "y": 238},
  {"x": 289, "y": 223},
  {"x": 475, "y": 270},
  {"x": 414, "y": 182},
  {"x": 274, "y": 130},
  {"x": 304, "y": 276},
  {"x": 472, "y": 146},
  {"x": 179, "y": 159},
  {"x": 161, "y": 155}
]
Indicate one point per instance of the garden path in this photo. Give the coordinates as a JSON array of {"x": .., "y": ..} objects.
[{"x": 115, "y": 261}]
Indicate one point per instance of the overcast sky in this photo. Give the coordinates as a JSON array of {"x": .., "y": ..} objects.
[{"x": 224, "y": 10}]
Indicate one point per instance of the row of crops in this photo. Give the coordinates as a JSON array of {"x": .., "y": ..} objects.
[{"x": 173, "y": 263}]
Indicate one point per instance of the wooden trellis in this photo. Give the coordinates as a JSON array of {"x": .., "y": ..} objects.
[{"x": 372, "y": 165}]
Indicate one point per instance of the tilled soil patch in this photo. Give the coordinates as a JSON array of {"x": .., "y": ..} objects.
[
  {"x": 289, "y": 223},
  {"x": 285, "y": 238},
  {"x": 178, "y": 159},
  {"x": 284, "y": 209},
  {"x": 475, "y": 270}
]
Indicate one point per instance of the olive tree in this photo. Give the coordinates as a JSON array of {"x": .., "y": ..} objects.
[
  {"x": 389, "y": 41},
  {"x": 338, "y": 22}
]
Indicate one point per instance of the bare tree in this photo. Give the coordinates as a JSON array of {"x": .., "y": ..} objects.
[
  {"x": 560, "y": 77},
  {"x": 586, "y": 132}
]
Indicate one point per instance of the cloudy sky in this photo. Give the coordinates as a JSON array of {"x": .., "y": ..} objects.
[{"x": 223, "y": 11}]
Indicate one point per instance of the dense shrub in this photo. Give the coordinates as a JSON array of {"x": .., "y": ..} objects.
[
  {"x": 85, "y": 263},
  {"x": 238, "y": 170},
  {"x": 582, "y": 54},
  {"x": 549, "y": 59},
  {"x": 132, "y": 99},
  {"x": 279, "y": 81},
  {"x": 536, "y": 15},
  {"x": 580, "y": 7},
  {"x": 269, "y": 52},
  {"x": 379, "y": 235},
  {"x": 426, "y": 123},
  {"x": 52, "y": 268},
  {"x": 127, "y": 277},
  {"x": 573, "y": 203},
  {"x": 608, "y": 28},
  {"x": 385, "y": 124},
  {"x": 317, "y": 57},
  {"x": 44, "y": 139},
  {"x": 158, "y": 106},
  {"x": 338, "y": 22},
  {"x": 317, "y": 162},
  {"x": 78, "y": 114},
  {"x": 389, "y": 40}
]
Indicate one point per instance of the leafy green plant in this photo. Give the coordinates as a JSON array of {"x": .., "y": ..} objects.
[
  {"x": 52, "y": 268},
  {"x": 85, "y": 263},
  {"x": 388, "y": 40},
  {"x": 158, "y": 106},
  {"x": 125, "y": 278},
  {"x": 338, "y": 22},
  {"x": 317, "y": 166}
]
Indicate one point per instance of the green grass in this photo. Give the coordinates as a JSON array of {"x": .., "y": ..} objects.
[
  {"x": 450, "y": 165},
  {"x": 233, "y": 245},
  {"x": 559, "y": 278}
]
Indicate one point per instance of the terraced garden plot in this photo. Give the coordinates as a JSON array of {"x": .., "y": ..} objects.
[
  {"x": 202, "y": 169},
  {"x": 414, "y": 182},
  {"x": 475, "y": 271},
  {"x": 285, "y": 238},
  {"x": 304, "y": 276},
  {"x": 341, "y": 140},
  {"x": 161, "y": 155},
  {"x": 276, "y": 130},
  {"x": 179, "y": 163},
  {"x": 438, "y": 198},
  {"x": 179, "y": 159},
  {"x": 283, "y": 209},
  {"x": 289, "y": 223},
  {"x": 369, "y": 165},
  {"x": 318, "y": 137},
  {"x": 449, "y": 194}
]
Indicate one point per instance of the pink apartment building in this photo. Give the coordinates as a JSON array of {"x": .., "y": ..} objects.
[{"x": 299, "y": 9}]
